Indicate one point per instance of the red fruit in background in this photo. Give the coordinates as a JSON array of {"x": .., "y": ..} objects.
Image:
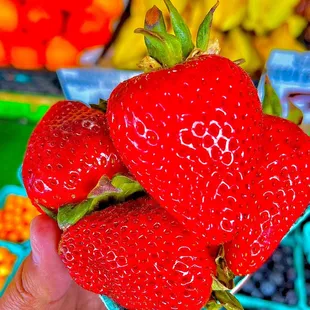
[
  {"x": 3, "y": 54},
  {"x": 64, "y": 5},
  {"x": 190, "y": 135},
  {"x": 72, "y": 5},
  {"x": 280, "y": 193},
  {"x": 67, "y": 154},
  {"x": 42, "y": 20},
  {"x": 140, "y": 256},
  {"x": 88, "y": 28}
]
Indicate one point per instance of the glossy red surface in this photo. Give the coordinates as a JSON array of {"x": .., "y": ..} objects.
[
  {"x": 190, "y": 135},
  {"x": 140, "y": 256},
  {"x": 67, "y": 154}
]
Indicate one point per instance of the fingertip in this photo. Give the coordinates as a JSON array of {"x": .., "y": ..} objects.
[
  {"x": 44, "y": 237},
  {"x": 43, "y": 226}
]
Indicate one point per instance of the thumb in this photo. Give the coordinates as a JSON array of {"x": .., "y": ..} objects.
[{"x": 42, "y": 279}]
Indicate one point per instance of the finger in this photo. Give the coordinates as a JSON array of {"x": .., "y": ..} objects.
[{"x": 42, "y": 279}]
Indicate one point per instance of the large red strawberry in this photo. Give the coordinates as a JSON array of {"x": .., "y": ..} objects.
[
  {"x": 280, "y": 193},
  {"x": 189, "y": 133},
  {"x": 67, "y": 154},
  {"x": 140, "y": 256}
]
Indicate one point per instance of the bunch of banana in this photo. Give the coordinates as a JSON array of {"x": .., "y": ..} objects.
[{"x": 247, "y": 29}]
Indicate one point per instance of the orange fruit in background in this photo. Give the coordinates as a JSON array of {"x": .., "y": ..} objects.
[
  {"x": 88, "y": 28},
  {"x": 7, "y": 260},
  {"x": 26, "y": 53},
  {"x": 60, "y": 53},
  {"x": 43, "y": 21},
  {"x": 8, "y": 15},
  {"x": 15, "y": 218},
  {"x": 113, "y": 8}
]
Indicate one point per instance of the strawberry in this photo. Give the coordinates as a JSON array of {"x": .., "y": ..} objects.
[
  {"x": 280, "y": 193},
  {"x": 67, "y": 154},
  {"x": 140, "y": 256},
  {"x": 192, "y": 133}
]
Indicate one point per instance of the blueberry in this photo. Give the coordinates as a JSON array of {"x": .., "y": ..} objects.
[
  {"x": 278, "y": 298},
  {"x": 289, "y": 261},
  {"x": 248, "y": 287},
  {"x": 277, "y": 278},
  {"x": 280, "y": 267},
  {"x": 256, "y": 293},
  {"x": 277, "y": 256},
  {"x": 268, "y": 288},
  {"x": 258, "y": 276},
  {"x": 287, "y": 250},
  {"x": 291, "y": 274},
  {"x": 291, "y": 298}
]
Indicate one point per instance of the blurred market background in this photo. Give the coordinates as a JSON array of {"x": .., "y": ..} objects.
[{"x": 38, "y": 37}]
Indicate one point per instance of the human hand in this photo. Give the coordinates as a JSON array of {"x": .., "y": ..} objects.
[{"x": 42, "y": 281}]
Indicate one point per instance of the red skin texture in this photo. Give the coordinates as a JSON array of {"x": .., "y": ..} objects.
[
  {"x": 67, "y": 154},
  {"x": 280, "y": 194},
  {"x": 140, "y": 256},
  {"x": 88, "y": 28},
  {"x": 43, "y": 21},
  {"x": 191, "y": 135}
]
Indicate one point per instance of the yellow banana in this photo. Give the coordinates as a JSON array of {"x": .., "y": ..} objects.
[
  {"x": 238, "y": 44},
  {"x": 297, "y": 25},
  {"x": 129, "y": 47},
  {"x": 278, "y": 39},
  {"x": 229, "y": 14},
  {"x": 266, "y": 15}
]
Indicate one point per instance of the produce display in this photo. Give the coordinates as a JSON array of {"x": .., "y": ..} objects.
[
  {"x": 181, "y": 181},
  {"x": 7, "y": 260},
  {"x": 15, "y": 218},
  {"x": 64, "y": 33},
  {"x": 248, "y": 29}
]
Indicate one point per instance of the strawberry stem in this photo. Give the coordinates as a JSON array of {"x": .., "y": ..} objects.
[
  {"x": 180, "y": 28},
  {"x": 204, "y": 31},
  {"x": 166, "y": 48},
  {"x": 154, "y": 21}
]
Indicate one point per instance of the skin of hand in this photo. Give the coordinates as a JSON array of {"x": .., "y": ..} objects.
[{"x": 42, "y": 281}]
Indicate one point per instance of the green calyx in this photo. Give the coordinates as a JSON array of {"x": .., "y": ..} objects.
[
  {"x": 223, "y": 282},
  {"x": 107, "y": 192},
  {"x": 165, "y": 49}
]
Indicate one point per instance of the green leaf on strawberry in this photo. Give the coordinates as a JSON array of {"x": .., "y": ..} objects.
[
  {"x": 106, "y": 191},
  {"x": 227, "y": 300},
  {"x": 271, "y": 102},
  {"x": 295, "y": 115},
  {"x": 203, "y": 35},
  {"x": 224, "y": 278},
  {"x": 48, "y": 212}
]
